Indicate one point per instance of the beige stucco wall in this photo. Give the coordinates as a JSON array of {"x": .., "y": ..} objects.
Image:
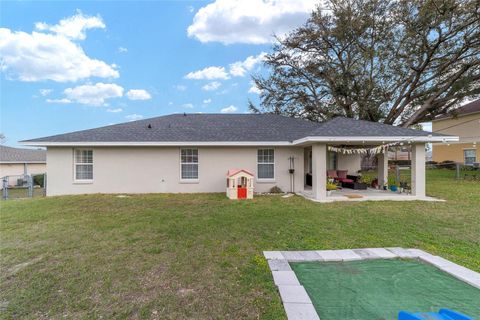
[
  {"x": 467, "y": 128},
  {"x": 454, "y": 151},
  {"x": 9, "y": 169},
  {"x": 350, "y": 162},
  {"x": 157, "y": 169}
]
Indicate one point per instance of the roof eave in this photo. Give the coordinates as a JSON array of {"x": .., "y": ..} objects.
[
  {"x": 244, "y": 143},
  {"x": 154, "y": 143},
  {"x": 383, "y": 139}
]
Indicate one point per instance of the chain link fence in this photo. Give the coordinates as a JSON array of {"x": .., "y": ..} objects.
[{"x": 23, "y": 186}]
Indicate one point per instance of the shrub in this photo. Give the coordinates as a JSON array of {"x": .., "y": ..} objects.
[
  {"x": 447, "y": 164},
  {"x": 276, "y": 190},
  {"x": 38, "y": 180}
]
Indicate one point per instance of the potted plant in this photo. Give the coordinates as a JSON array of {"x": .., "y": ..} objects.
[
  {"x": 366, "y": 180},
  {"x": 374, "y": 183},
  {"x": 330, "y": 187},
  {"x": 392, "y": 184}
]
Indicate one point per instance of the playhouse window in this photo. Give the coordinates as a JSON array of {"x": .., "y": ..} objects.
[
  {"x": 266, "y": 164},
  {"x": 189, "y": 164}
]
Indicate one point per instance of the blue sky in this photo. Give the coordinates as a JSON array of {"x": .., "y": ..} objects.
[{"x": 68, "y": 66}]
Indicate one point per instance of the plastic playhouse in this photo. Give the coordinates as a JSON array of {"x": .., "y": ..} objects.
[
  {"x": 239, "y": 184},
  {"x": 443, "y": 314}
]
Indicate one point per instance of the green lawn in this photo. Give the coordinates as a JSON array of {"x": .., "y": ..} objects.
[{"x": 200, "y": 256}]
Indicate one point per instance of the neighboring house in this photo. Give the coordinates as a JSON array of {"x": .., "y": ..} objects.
[
  {"x": 193, "y": 153},
  {"x": 16, "y": 161},
  {"x": 463, "y": 122}
]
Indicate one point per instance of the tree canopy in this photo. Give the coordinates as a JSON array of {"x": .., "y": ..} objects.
[{"x": 394, "y": 61}]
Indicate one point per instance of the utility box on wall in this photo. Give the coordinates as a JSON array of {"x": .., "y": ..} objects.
[{"x": 239, "y": 184}]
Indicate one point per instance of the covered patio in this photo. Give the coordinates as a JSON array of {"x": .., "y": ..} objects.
[
  {"x": 370, "y": 194},
  {"x": 343, "y": 153},
  {"x": 320, "y": 161}
]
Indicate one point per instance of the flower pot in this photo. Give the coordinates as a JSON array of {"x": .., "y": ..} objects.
[
  {"x": 393, "y": 188},
  {"x": 329, "y": 192}
]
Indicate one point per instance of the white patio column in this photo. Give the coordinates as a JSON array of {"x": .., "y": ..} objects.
[
  {"x": 382, "y": 168},
  {"x": 319, "y": 171},
  {"x": 418, "y": 169}
]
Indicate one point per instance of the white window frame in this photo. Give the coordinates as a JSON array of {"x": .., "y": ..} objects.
[
  {"x": 75, "y": 163},
  {"x": 187, "y": 180},
  {"x": 274, "y": 171},
  {"x": 475, "y": 153}
]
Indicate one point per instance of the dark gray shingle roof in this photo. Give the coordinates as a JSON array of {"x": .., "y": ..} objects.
[
  {"x": 342, "y": 127},
  {"x": 17, "y": 155},
  {"x": 228, "y": 128}
]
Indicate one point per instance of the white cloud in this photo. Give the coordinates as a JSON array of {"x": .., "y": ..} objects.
[
  {"x": 207, "y": 101},
  {"x": 180, "y": 87},
  {"x": 45, "y": 92},
  {"x": 212, "y": 86},
  {"x": 134, "y": 117},
  {"x": 190, "y": 8},
  {"x": 240, "y": 68},
  {"x": 138, "y": 94},
  {"x": 170, "y": 103},
  {"x": 116, "y": 110},
  {"x": 94, "y": 95},
  {"x": 253, "y": 21},
  {"x": 73, "y": 27},
  {"x": 39, "y": 56},
  {"x": 254, "y": 89},
  {"x": 62, "y": 101},
  {"x": 229, "y": 109},
  {"x": 208, "y": 73},
  {"x": 122, "y": 49},
  {"x": 188, "y": 105}
]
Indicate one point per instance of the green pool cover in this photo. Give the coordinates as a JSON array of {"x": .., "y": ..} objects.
[{"x": 378, "y": 289}]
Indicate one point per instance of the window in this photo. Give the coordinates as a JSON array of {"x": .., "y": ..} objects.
[
  {"x": 332, "y": 161},
  {"x": 83, "y": 165},
  {"x": 189, "y": 164},
  {"x": 469, "y": 156},
  {"x": 266, "y": 164}
]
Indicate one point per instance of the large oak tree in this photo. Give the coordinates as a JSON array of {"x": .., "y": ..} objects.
[{"x": 398, "y": 62}]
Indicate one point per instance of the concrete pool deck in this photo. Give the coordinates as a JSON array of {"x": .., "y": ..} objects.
[{"x": 295, "y": 299}]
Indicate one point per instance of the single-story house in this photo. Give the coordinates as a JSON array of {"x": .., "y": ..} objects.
[
  {"x": 187, "y": 153},
  {"x": 17, "y": 161}
]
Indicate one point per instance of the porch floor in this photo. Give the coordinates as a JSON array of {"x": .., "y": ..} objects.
[{"x": 346, "y": 194}]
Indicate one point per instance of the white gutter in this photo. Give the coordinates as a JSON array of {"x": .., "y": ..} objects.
[
  {"x": 376, "y": 139},
  {"x": 246, "y": 143},
  {"x": 159, "y": 144}
]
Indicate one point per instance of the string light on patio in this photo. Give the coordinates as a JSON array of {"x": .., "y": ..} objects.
[{"x": 361, "y": 150}]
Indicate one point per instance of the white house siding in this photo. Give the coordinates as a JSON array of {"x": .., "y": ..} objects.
[{"x": 157, "y": 169}]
